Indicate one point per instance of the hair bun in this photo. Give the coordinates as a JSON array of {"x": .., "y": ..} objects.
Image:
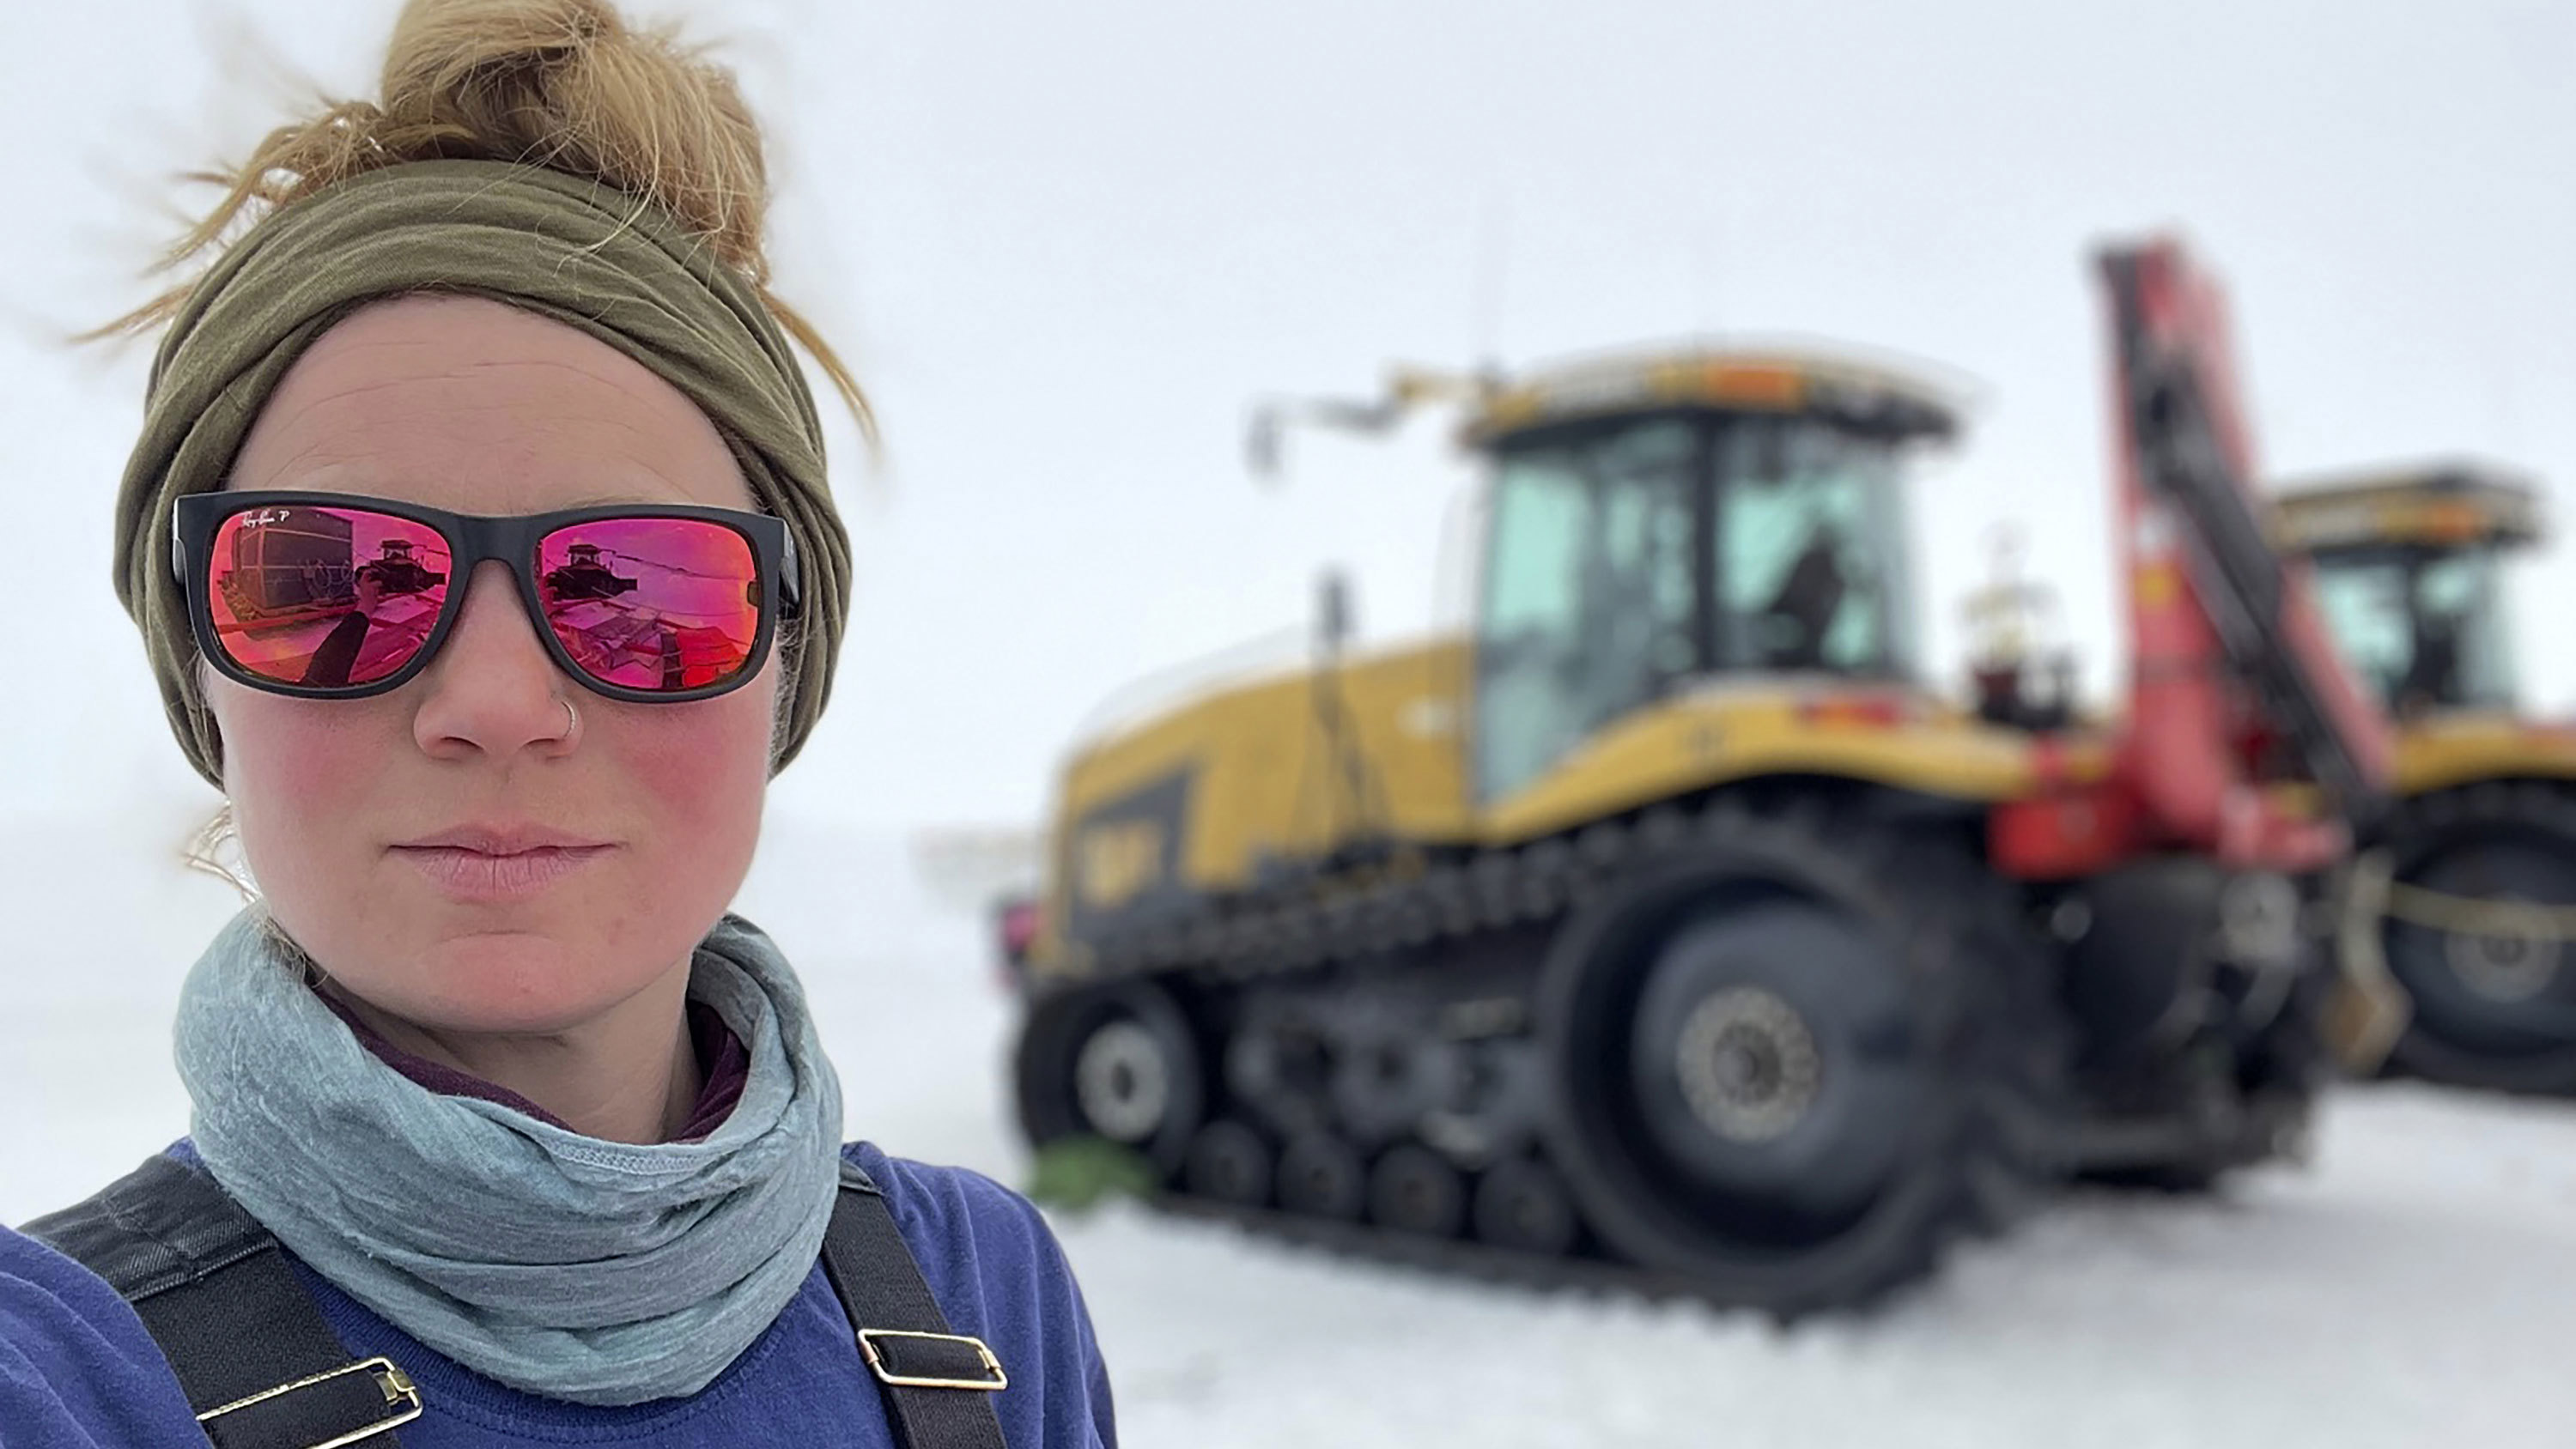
[{"x": 569, "y": 85}]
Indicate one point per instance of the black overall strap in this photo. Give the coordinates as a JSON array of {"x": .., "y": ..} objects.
[
  {"x": 260, "y": 1367},
  {"x": 938, "y": 1385}
]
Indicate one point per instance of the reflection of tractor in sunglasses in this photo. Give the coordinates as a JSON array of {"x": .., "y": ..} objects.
[
  {"x": 356, "y": 649},
  {"x": 624, "y": 641},
  {"x": 584, "y": 576},
  {"x": 397, "y": 570}
]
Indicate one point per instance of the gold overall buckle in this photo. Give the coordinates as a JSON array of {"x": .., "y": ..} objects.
[
  {"x": 402, "y": 1399},
  {"x": 868, "y": 1338}
]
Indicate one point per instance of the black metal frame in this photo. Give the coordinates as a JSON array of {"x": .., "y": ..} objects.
[{"x": 471, "y": 539}]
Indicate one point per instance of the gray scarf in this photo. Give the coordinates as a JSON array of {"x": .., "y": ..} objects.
[{"x": 563, "y": 1265}]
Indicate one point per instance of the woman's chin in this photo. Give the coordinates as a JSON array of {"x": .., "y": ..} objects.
[{"x": 515, "y": 986}]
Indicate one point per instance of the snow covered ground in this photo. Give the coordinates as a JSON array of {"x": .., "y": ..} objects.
[{"x": 2408, "y": 1288}]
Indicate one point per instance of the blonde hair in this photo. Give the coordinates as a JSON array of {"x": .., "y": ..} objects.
[
  {"x": 568, "y": 85},
  {"x": 215, "y": 849}
]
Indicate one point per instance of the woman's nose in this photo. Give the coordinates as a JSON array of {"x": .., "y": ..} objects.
[{"x": 492, "y": 688}]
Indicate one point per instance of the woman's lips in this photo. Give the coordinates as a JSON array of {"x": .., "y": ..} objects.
[{"x": 481, "y": 875}]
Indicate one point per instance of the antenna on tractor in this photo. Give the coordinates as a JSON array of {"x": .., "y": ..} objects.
[{"x": 1493, "y": 263}]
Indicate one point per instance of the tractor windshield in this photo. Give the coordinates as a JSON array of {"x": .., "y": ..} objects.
[
  {"x": 2424, "y": 628},
  {"x": 1590, "y": 596},
  {"x": 1811, "y": 550},
  {"x": 1625, "y": 555}
]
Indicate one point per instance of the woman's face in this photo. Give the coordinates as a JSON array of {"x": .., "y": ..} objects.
[{"x": 391, "y": 835}]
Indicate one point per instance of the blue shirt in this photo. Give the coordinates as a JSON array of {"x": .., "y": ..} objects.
[{"x": 78, "y": 1371}]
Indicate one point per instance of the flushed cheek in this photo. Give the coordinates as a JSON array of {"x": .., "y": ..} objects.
[
  {"x": 301, "y": 775},
  {"x": 698, "y": 772}
]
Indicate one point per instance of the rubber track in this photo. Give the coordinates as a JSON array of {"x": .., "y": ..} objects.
[
  {"x": 1532, "y": 886},
  {"x": 1406, "y": 904}
]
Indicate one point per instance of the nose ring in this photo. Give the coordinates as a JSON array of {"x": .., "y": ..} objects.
[{"x": 572, "y": 718}]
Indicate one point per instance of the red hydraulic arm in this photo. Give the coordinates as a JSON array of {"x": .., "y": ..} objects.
[{"x": 2235, "y": 689}]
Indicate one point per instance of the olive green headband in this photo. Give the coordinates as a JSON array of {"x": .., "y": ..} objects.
[{"x": 586, "y": 255}]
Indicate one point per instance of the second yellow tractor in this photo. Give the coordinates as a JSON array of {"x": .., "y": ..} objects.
[{"x": 2466, "y": 901}]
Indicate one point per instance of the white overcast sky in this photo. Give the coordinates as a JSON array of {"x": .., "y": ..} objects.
[{"x": 1064, "y": 245}]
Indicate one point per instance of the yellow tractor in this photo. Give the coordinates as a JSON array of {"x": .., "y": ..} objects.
[
  {"x": 2468, "y": 900},
  {"x": 1668, "y": 929}
]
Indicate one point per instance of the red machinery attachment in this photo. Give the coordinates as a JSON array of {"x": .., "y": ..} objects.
[{"x": 2237, "y": 697}]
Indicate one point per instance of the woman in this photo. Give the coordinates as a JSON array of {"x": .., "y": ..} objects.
[{"x": 504, "y": 1132}]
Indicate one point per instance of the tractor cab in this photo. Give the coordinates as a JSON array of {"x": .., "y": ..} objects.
[
  {"x": 2409, "y": 573},
  {"x": 1653, "y": 523}
]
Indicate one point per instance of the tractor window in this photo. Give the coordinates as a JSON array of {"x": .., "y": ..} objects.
[
  {"x": 2365, "y": 607},
  {"x": 2423, "y": 630},
  {"x": 1588, "y": 609},
  {"x": 1811, "y": 550}
]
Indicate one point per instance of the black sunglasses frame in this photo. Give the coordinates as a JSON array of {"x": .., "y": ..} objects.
[{"x": 512, "y": 539}]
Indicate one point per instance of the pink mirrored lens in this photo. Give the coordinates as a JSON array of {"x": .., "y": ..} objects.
[
  {"x": 651, "y": 603},
  {"x": 328, "y": 597}
]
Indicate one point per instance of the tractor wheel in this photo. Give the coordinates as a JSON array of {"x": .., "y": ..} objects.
[
  {"x": 1115, "y": 1062},
  {"x": 2491, "y": 1011},
  {"x": 1795, "y": 1060}
]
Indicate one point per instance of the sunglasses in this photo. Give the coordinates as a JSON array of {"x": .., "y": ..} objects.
[{"x": 331, "y": 596}]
